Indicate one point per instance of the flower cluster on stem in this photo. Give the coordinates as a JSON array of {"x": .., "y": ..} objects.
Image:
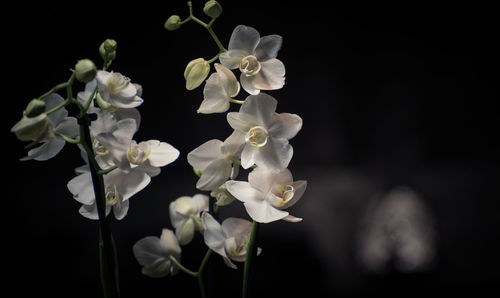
[{"x": 259, "y": 143}]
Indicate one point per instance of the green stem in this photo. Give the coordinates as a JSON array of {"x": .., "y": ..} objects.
[
  {"x": 187, "y": 271},
  {"x": 251, "y": 252},
  {"x": 206, "y": 26},
  {"x": 236, "y": 101},
  {"x": 204, "y": 263},
  {"x": 214, "y": 58},
  {"x": 216, "y": 39},
  {"x": 107, "y": 257},
  {"x": 104, "y": 172},
  {"x": 58, "y": 107},
  {"x": 54, "y": 89},
  {"x": 66, "y": 85},
  {"x": 89, "y": 101},
  {"x": 67, "y": 139}
]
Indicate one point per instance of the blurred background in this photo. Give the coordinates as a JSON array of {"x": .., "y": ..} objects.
[{"x": 399, "y": 147}]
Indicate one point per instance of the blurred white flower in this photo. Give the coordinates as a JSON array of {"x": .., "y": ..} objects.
[
  {"x": 219, "y": 89},
  {"x": 118, "y": 113},
  {"x": 267, "y": 193},
  {"x": 127, "y": 154},
  {"x": 256, "y": 59},
  {"x": 185, "y": 216},
  {"x": 118, "y": 188},
  {"x": 229, "y": 240},
  {"x": 397, "y": 228},
  {"x": 263, "y": 132},
  {"x": 117, "y": 90},
  {"x": 56, "y": 122},
  {"x": 154, "y": 253},
  {"x": 215, "y": 159}
]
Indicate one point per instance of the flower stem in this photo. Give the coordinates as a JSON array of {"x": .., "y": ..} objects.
[
  {"x": 107, "y": 258},
  {"x": 67, "y": 139},
  {"x": 201, "y": 284},
  {"x": 251, "y": 252},
  {"x": 187, "y": 271},
  {"x": 206, "y": 26},
  {"x": 54, "y": 89},
  {"x": 236, "y": 101}
]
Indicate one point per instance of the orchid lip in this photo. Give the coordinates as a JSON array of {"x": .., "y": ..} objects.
[
  {"x": 138, "y": 153},
  {"x": 257, "y": 136},
  {"x": 249, "y": 65},
  {"x": 111, "y": 195},
  {"x": 99, "y": 149}
]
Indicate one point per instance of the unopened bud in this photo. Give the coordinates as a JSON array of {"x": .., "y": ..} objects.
[
  {"x": 85, "y": 70},
  {"x": 107, "y": 49},
  {"x": 212, "y": 9},
  {"x": 173, "y": 23},
  {"x": 37, "y": 128},
  {"x": 35, "y": 108},
  {"x": 196, "y": 72}
]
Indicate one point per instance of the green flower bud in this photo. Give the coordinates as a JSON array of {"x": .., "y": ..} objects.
[
  {"x": 196, "y": 72},
  {"x": 222, "y": 196},
  {"x": 35, "y": 108},
  {"x": 37, "y": 128},
  {"x": 110, "y": 45},
  {"x": 85, "y": 70},
  {"x": 173, "y": 23},
  {"x": 107, "y": 49},
  {"x": 212, "y": 9}
]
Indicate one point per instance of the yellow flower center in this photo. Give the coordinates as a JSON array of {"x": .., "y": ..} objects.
[
  {"x": 99, "y": 149},
  {"x": 257, "y": 136},
  {"x": 249, "y": 65},
  {"x": 138, "y": 153},
  {"x": 284, "y": 194},
  {"x": 111, "y": 195},
  {"x": 117, "y": 83}
]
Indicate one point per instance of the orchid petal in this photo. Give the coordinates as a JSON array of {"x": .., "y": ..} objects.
[
  {"x": 271, "y": 75},
  {"x": 244, "y": 38},
  {"x": 161, "y": 153},
  {"x": 268, "y": 47}
]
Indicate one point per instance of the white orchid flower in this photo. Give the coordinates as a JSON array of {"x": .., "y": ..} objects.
[
  {"x": 267, "y": 193},
  {"x": 215, "y": 159},
  {"x": 185, "y": 216},
  {"x": 127, "y": 154},
  {"x": 119, "y": 113},
  {"x": 108, "y": 124},
  {"x": 154, "y": 253},
  {"x": 256, "y": 59},
  {"x": 118, "y": 187},
  {"x": 230, "y": 240},
  {"x": 219, "y": 89},
  {"x": 117, "y": 90},
  {"x": 56, "y": 122},
  {"x": 263, "y": 132}
]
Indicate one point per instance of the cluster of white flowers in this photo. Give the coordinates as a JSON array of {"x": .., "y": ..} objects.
[
  {"x": 259, "y": 142},
  {"x": 132, "y": 164}
]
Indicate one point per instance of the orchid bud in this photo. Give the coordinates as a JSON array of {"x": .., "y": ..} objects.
[
  {"x": 36, "y": 128},
  {"x": 212, "y": 9},
  {"x": 85, "y": 70},
  {"x": 196, "y": 72},
  {"x": 35, "y": 108},
  {"x": 107, "y": 49},
  {"x": 173, "y": 23}
]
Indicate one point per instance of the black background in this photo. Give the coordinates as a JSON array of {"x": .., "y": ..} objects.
[{"x": 390, "y": 95}]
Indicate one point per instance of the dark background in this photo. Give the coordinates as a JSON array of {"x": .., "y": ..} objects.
[{"x": 390, "y": 95}]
